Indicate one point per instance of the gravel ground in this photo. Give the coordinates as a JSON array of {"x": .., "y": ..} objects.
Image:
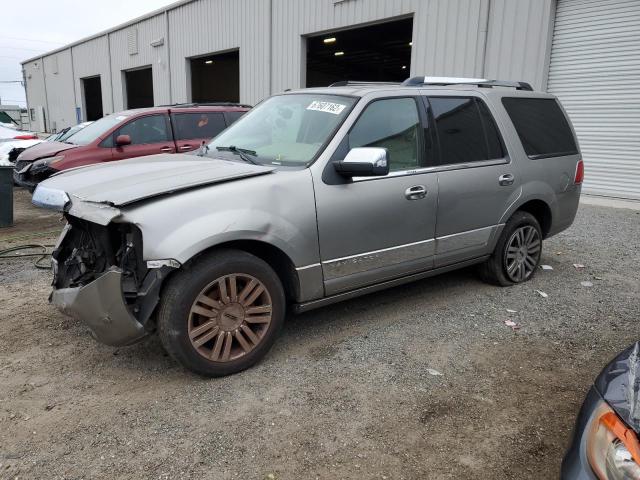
[{"x": 347, "y": 392}]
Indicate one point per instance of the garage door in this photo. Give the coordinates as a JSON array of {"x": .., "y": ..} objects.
[{"x": 595, "y": 71}]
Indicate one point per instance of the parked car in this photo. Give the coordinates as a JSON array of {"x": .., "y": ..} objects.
[
  {"x": 313, "y": 197},
  {"x": 605, "y": 444},
  {"x": 8, "y": 133},
  {"x": 10, "y": 150},
  {"x": 133, "y": 133}
]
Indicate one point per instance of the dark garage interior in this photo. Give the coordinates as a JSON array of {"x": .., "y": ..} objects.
[
  {"x": 139, "y": 88},
  {"x": 380, "y": 52},
  {"x": 216, "y": 78},
  {"x": 92, "y": 89}
]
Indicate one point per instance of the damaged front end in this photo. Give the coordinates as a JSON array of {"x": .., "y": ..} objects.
[
  {"x": 606, "y": 442},
  {"x": 101, "y": 279}
]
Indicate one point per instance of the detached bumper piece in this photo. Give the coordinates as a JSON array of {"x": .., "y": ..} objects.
[{"x": 101, "y": 306}]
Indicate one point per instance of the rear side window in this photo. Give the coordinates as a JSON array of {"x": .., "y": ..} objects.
[
  {"x": 189, "y": 126},
  {"x": 146, "y": 130},
  {"x": 233, "y": 116},
  {"x": 542, "y": 127},
  {"x": 466, "y": 130}
]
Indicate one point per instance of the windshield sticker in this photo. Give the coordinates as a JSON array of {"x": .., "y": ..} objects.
[{"x": 327, "y": 107}]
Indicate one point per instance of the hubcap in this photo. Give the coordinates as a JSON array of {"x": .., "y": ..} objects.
[
  {"x": 523, "y": 253},
  {"x": 229, "y": 317}
]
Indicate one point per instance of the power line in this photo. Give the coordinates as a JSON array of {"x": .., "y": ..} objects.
[
  {"x": 23, "y": 48},
  {"x": 31, "y": 40}
]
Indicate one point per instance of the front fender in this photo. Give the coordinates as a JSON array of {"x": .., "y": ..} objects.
[
  {"x": 199, "y": 234},
  {"x": 277, "y": 209}
]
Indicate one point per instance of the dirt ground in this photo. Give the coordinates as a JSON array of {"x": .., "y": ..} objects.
[{"x": 345, "y": 393}]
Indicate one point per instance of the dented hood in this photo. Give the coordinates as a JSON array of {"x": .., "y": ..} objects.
[
  {"x": 45, "y": 150},
  {"x": 128, "y": 181}
]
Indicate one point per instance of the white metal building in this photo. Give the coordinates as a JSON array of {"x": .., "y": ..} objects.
[{"x": 585, "y": 51}]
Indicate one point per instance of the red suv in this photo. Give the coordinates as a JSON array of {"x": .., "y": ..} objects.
[{"x": 128, "y": 134}]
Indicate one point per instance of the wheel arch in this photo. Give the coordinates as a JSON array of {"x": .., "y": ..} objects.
[
  {"x": 541, "y": 211},
  {"x": 276, "y": 258}
]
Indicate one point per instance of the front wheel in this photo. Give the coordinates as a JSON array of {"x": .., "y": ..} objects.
[
  {"x": 221, "y": 315},
  {"x": 517, "y": 253}
]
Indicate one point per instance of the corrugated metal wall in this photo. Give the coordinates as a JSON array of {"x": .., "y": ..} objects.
[
  {"x": 449, "y": 38},
  {"x": 91, "y": 58},
  {"x": 147, "y": 32},
  {"x": 215, "y": 26},
  {"x": 595, "y": 71},
  {"x": 36, "y": 92},
  {"x": 518, "y": 40},
  {"x": 61, "y": 103}
]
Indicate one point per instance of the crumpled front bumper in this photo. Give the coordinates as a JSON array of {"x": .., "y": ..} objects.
[{"x": 100, "y": 305}]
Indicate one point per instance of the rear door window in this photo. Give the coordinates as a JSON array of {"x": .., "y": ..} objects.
[
  {"x": 233, "y": 116},
  {"x": 542, "y": 127},
  {"x": 189, "y": 126},
  {"x": 466, "y": 130},
  {"x": 146, "y": 130},
  {"x": 393, "y": 124}
]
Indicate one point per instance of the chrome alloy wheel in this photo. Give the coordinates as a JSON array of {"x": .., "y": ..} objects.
[
  {"x": 523, "y": 253},
  {"x": 229, "y": 317}
]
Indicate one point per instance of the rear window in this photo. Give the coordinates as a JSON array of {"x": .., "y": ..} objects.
[
  {"x": 542, "y": 127},
  {"x": 466, "y": 130},
  {"x": 204, "y": 126}
]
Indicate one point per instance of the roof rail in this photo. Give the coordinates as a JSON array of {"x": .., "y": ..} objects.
[
  {"x": 207, "y": 104},
  {"x": 480, "y": 82},
  {"x": 352, "y": 83}
]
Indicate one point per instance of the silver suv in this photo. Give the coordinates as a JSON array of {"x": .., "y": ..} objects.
[{"x": 313, "y": 197}]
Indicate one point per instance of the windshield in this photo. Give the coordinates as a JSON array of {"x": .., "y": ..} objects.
[
  {"x": 97, "y": 129},
  {"x": 72, "y": 131},
  {"x": 286, "y": 129}
]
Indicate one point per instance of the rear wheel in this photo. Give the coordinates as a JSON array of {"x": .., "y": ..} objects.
[
  {"x": 517, "y": 253},
  {"x": 223, "y": 314}
]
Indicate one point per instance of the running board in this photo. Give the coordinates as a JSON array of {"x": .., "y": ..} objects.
[{"x": 313, "y": 304}]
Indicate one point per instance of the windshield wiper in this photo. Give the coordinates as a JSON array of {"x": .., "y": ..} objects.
[{"x": 243, "y": 153}]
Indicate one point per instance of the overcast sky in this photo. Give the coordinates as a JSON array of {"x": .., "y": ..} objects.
[{"x": 30, "y": 28}]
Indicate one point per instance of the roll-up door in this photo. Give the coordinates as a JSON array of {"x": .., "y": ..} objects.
[{"x": 595, "y": 71}]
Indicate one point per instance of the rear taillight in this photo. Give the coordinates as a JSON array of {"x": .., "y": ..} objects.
[
  {"x": 25, "y": 137},
  {"x": 579, "y": 173}
]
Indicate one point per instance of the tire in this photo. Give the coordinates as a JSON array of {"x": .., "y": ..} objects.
[
  {"x": 502, "y": 268},
  {"x": 214, "y": 329}
]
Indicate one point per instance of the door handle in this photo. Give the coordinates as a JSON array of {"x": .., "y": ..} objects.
[
  {"x": 166, "y": 149},
  {"x": 416, "y": 192},
  {"x": 185, "y": 147},
  {"x": 506, "y": 179}
]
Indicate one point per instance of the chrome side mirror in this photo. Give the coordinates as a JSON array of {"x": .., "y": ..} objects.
[{"x": 364, "y": 162}]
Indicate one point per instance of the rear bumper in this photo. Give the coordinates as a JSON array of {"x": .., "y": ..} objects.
[{"x": 100, "y": 306}]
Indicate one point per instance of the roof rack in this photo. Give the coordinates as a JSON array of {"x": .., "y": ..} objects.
[
  {"x": 351, "y": 83},
  {"x": 480, "y": 82},
  {"x": 207, "y": 104}
]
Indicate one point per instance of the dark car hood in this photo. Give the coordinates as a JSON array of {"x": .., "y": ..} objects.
[
  {"x": 44, "y": 150},
  {"x": 127, "y": 181},
  {"x": 619, "y": 385}
]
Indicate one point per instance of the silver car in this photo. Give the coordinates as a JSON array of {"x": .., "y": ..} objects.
[{"x": 313, "y": 197}]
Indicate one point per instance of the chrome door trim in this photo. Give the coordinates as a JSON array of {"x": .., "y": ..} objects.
[
  {"x": 313, "y": 265},
  {"x": 468, "y": 239},
  {"x": 362, "y": 262},
  {"x": 328, "y": 300}
]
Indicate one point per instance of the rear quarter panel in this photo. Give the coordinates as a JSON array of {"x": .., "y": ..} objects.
[{"x": 550, "y": 180}]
